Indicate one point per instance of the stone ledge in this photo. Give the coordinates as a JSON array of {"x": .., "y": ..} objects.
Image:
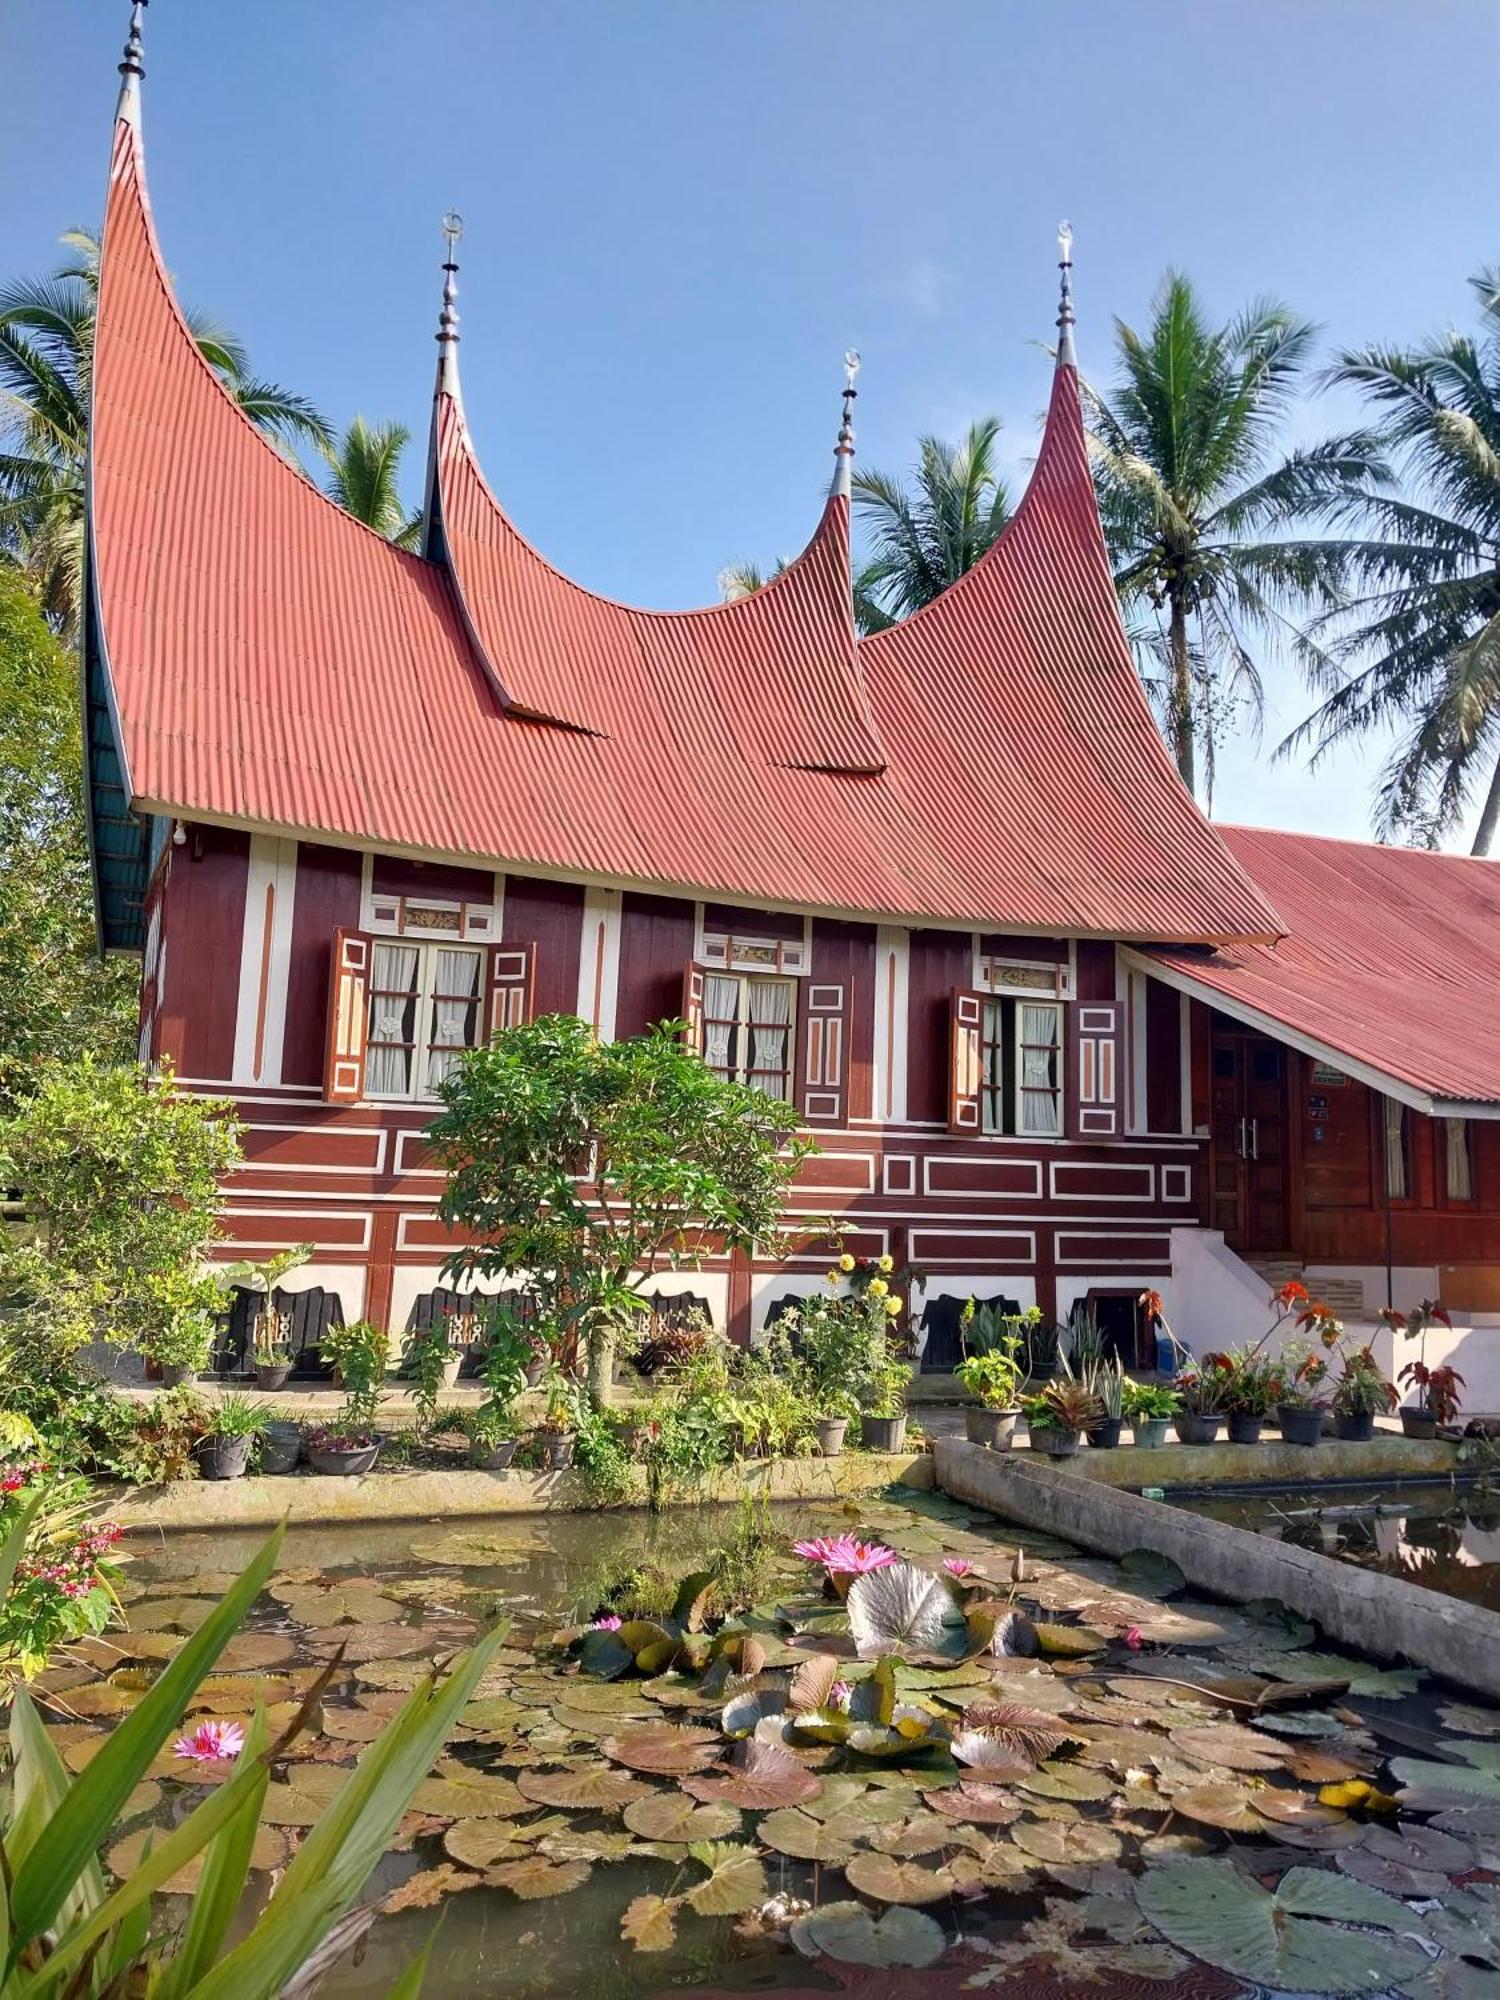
[
  {"x": 306, "y": 1498},
  {"x": 1183, "y": 1467},
  {"x": 1383, "y": 1616}
]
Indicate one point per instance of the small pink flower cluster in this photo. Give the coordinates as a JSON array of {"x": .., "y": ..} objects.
[
  {"x": 26, "y": 1473},
  {"x": 609, "y": 1624},
  {"x": 956, "y": 1566},
  {"x": 842, "y": 1555},
  {"x": 74, "y": 1573},
  {"x": 840, "y": 1695}
]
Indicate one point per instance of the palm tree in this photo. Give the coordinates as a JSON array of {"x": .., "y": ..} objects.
[
  {"x": 363, "y": 468},
  {"x": 1193, "y": 489},
  {"x": 46, "y": 365},
  {"x": 920, "y": 541},
  {"x": 1426, "y": 624}
]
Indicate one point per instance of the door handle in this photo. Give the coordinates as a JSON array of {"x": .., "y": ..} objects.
[
  {"x": 1244, "y": 1146},
  {"x": 1255, "y": 1138}
]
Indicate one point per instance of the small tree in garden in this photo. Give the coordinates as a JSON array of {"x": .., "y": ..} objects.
[
  {"x": 119, "y": 1176},
  {"x": 591, "y": 1166}
]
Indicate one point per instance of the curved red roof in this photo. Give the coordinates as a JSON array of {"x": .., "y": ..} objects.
[
  {"x": 272, "y": 663},
  {"x": 1391, "y": 960}
]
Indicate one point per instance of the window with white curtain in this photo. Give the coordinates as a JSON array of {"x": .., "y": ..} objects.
[
  {"x": 1021, "y": 1067},
  {"x": 425, "y": 1008},
  {"x": 1459, "y": 1164},
  {"x": 1397, "y": 1175},
  {"x": 748, "y": 1029}
]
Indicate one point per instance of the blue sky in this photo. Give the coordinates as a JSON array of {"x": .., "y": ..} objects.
[{"x": 680, "y": 212}]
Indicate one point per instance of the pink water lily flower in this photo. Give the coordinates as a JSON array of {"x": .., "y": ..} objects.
[
  {"x": 840, "y": 1695},
  {"x": 1133, "y": 1638},
  {"x": 851, "y": 1558},
  {"x": 819, "y": 1549},
  {"x": 957, "y": 1566},
  {"x": 211, "y": 1743},
  {"x": 609, "y": 1624}
]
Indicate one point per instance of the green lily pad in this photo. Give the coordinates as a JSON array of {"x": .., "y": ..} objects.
[
  {"x": 798, "y": 1834},
  {"x": 581, "y": 1788},
  {"x": 663, "y": 1749},
  {"x": 458, "y": 1792},
  {"x": 668, "y": 1816},
  {"x": 1067, "y": 1842},
  {"x": 535, "y": 1877},
  {"x": 1154, "y": 1575},
  {"x": 1065, "y": 1781},
  {"x": 356, "y": 1602},
  {"x": 736, "y": 1879},
  {"x": 1230, "y": 1745},
  {"x": 482, "y": 1843},
  {"x": 849, "y": 1933},
  {"x": 650, "y": 1922},
  {"x": 1223, "y": 1916}
]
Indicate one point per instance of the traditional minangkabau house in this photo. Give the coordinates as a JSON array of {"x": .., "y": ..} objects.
[{"x": 1057, "y": 1037}]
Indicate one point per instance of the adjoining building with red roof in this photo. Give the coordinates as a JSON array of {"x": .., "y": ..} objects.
[{"x": 1058, "y": 1038}]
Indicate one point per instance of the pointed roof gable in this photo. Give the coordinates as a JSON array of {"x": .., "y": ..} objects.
[{"x": 267, "y": 661}]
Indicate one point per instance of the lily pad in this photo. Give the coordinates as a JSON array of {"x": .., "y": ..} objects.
[
  {"x": 1069, "y": 1843},
  {"x": 1155, "y": 1575},
  {"x": 581, "y": 1788},
  {"x": 481, "y": 1843},
  {"x": 535, "y": 1877},
  {"x": 1223, "y": 1916},
  {"x": 663, "y": 1749},
  {"x": 887, "y": 1880},
  {"x": 650, "y": 1922},
  {"x": 766, "y": 1778},
  {"x": 356, "y": 1602},
  {"x": 303, "y": 1799},
  {"x": 813, "y": 1682},
  {"x": 1224, "y": 1805},
  {"x": 1065, "y": 1781},
  {"x": 1227, "y": 1743},
  {"x": 1028, "y": 1732},
  {"x": 458, "y": 1792},
  {"x": 268, "y": 1850},
  {"x": 902, "y": 1608},
  {"x": 1069, "y": 1642},
  {"x": 849, "y": 1933},
  {"x": 736, "y": 1879},
  {"x": 668, "y": 1816},
  {"x": 987, "y": 1754},
  {"x": 974, "y": 1804},
  {"x": 803, "y": 1837}
]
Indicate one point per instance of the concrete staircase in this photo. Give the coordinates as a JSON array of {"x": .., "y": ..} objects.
[{"x": 1345, "y": 1295}]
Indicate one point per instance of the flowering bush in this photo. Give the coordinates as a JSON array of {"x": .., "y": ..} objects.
[
  {"x": 63, "y": 1585},
  {"x": 849, "y": 1339}
]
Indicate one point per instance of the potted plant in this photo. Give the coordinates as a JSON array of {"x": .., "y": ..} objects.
[
  {"x": 1361, "y": 1392},
  {"x": 182, "y": 1331},
  {"x": 838, "y": 1409},
  {"x": 224, "y": 1450},
  {"x": 882, "y": 1422},
  {"x": 344, "y": 1448},
  {"x": 1301, "y": 1404},
  {"x": 1249, "y": 1386},
  {"x": 493, "y": 1435},
  {"x": 1421, "y": 1418},
  {"x": 503, "y": 1359},
  {"x": 280, "y": 1444},
  {"x": 994, "y": 1377},
  {"x": 557, "y": 1434},
  {"x": 272, "y": 1355},
  {"x": 1149, "y": 1407},
  {"x": 1060, "y": 1415},
  {"x": 1197, "y": 1422},
  {"x": 1106, "y": 1378},
  {"x": 359, "y": 1354},
  {"x": 1438, "y": 1402}
]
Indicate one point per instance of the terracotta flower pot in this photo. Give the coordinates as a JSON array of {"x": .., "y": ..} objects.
[
  {"x": 1300, "y": 1426},
  {"x": 1194, "y": 1428},
  {"x": 1244, "y": 1427},
  {"x": 223, "y": 1457},
  {"x": 1354, "y": 1426},
  {"x": 883, "y": 1433},
  {"x": 1149, "y": 1433},
  {"x": 831, "y": 1432},
  {"x": 343, "y": 1464},
  {"x": 995, "y": 1429}
]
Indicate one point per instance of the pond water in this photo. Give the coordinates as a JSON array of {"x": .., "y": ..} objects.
[
  {"x": 1443, "y": 1539},
  {"x": 1022, "y": 1801}
]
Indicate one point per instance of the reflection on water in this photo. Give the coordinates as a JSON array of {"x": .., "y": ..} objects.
[{"x": 1443, "y": 1541}]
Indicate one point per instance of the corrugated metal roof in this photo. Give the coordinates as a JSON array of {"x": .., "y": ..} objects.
[
  {"x": 275, "y": 663},
  {"x": 1392, "y": 958}
]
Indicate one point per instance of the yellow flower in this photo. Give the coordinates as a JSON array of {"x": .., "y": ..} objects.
[
  {"x": 878, "y": 1288},
  {"x": 846, "y": 1262},
  {"x": 893, "y": 1306},
  {"x": 885, "y": 1264},
  {"x": 833, "y": 1277}
]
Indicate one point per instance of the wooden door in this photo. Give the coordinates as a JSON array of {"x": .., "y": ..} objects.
[{"x": 1248, "y": 1141}]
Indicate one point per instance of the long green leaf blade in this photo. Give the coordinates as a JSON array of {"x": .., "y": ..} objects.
[
  {"x": 92, "y": 1806},
  {"x": 225, "y": 1869}
]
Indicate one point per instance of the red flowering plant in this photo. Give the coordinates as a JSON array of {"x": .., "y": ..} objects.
[
  {"x": 1361, "y": 1390},
  {"x": 1249, "y": 1381},
  {"x": 62, "y": 1586},
  {"x": 1437, "y": 1388}
]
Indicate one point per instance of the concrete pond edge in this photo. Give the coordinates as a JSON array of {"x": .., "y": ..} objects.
[
  {"x": 301, "y": 1499},
  {"x": 1382, "y": 1616}
]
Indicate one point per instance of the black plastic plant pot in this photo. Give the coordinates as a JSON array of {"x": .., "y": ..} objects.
[
  {"x": 343, "y": 1464},
  {"x": 1300, "y": 1426},
  {"x": 1417, "y": 1422},
  {"x": 223, "y": 1457},
  {"x": 274, "y": 1378},
  {"x": 280, "y": 1447},
  {"x": 882, "y": 1433},
  {"x": 1106, "y": 1436},
  {"x": 1194, "y": 1428},
  {"x": 177, "y": 1374},
  {"x": 1354, "y": 1426},
  {"x": 1243, "y": 1428}
]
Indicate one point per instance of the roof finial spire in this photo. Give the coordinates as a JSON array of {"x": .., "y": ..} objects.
[
  {"x": 132, "y": 69},
  {"x": 447, "y": 333},
  {"x": 1065, "y": 316},
  {"x": 843, "y": 451}
]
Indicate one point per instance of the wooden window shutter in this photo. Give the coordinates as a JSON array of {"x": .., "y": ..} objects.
[
  {"x": 692, "y": 1005},
  {"x": 1096, "y": 1097},
  {"x": 824, "y": 1052},
  {"x": 512, "y": 985},
  {"x": 348, "y": 1017},
  {"x": 965, "y": 1060}
]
